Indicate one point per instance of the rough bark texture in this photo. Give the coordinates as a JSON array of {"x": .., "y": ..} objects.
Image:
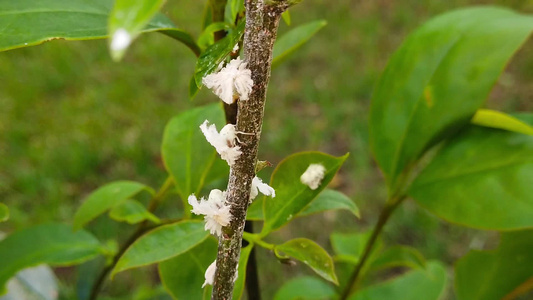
[{"x": 262, "y": 21}]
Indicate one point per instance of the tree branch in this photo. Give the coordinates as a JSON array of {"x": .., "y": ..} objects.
[{"x": 260, "y": 33}]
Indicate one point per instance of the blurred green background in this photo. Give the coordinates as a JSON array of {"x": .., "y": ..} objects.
[{"x": 72, "y": 120}]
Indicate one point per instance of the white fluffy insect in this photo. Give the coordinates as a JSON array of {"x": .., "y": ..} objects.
[
  {"x": 312, "y": 177},
  {"x": 231, "y": 82},
  {"x": 259, "y": 186},
  {"x": 210, "y": 274},
  {"x": 224, "y": 142},
  {"x": 121, "y": 40},
  {"x": 216, "y": 211}
]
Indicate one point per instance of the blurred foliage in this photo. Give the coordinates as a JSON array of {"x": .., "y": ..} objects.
[{"x": 72, "y": 120}]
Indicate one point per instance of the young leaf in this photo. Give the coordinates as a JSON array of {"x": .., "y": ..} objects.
[
  {"x": 187, "y": 156},
  {"x": 4, "y": 212},
  {"x": 482, "y": 179},
  {"x": 292, "y": 196},
  {"x": 311, "y": 254},
  {"x": 435, "y": 82},
  {"x": 308, "y": 288},
  {"x": 161, "y": 244},
  {"x": 53, "y": 244},
  {"x": 398, "y": 256},
  {"x": 216, "y": 53},
  {"x": 183, "y": 275},
  {"x": 496, "y": 274},
  {"x": 129, "y": 17},
  {"x": 426, "y": 284},
  {"x": 233, "y": 8},
  {"x": 133, "y": 212},
  {"x": 238, "y": 288},
  {"x": 104, "y": 198},
  {"x": 496, "y": 119},
  {"x": 286, "y": 16},
  {"x": 28, "y": 23},
  {"x": 327, "y": 200},
  {"x": 207, "y": 38},
  {"x": 294, "y": 39}
]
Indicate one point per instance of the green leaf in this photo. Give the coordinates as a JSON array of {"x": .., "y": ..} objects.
[
  {"x": 293, "y": 40},
  {"x": 104, "y": 198},
  {"x": 183, "y": 275},
  {"x": 418, "y": 284},
  {"x": 330, "y": 200},
  {"x": 53, "y": 244},
  {"x": 207, "y": 38},
  {"x": 238, "y": 288},
  {"x": 496, "y": 119},
  {"x": 233, "y": 8},
  {"x": 286, "y": 16},
  {"x": 131, "y": 16},
  {"x": 327, "y": 200},
  {"x": 4, "y": 212},
  {"x": 349, "y": 247},
  {"x": 495, "y": 274},
  {"x": 133, "y": 212},
  {"x": 292, "y": 196},
  {"x": 193, "y": 88},
  {"x": 28, "y": 23},
  {"x": 187, "y": 156},
  {"x": 161, "y": 244},
  {"x": 308, "y": 288},
  {"x": 480, "y": 178},
  {"x": 435, "y": 82},
  {"x": 398, "y": 256},
  {"x": 311, "y": 254},
  {"x": 216, "y": 53}
]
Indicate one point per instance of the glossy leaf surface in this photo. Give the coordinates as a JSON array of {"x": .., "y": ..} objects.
[
  {"x": 133, "y": 212},
  {"x": 216, "y": 53},
  {"x": 187, "y": 155},
  {"x": 480, "y": 178},
  {"x": 311, "y": 254},
  {"x": 53, "y": 244},
  {"x": 497, "y": 274},
  {"x": 294, "y": 39},
  {"x": 436, "y": 81},
  {"x": 426, "y": 284},
  {"x": 292, "y": 196},
  {"x": 496, "y": 119},
  {"x": 183, "y": 275},
  {"x": 161, "y": 244},
  {"x": 325, "y": 201},
  {"x": 104, "y": 198},
  {"x": 28, "y": 23},
  {"x": 308, "y": 288}
]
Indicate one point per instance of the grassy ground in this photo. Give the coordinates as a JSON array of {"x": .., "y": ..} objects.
[{"x": 72, "y": 120}]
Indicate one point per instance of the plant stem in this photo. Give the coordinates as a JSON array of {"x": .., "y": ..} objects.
[
  {"x": 260, "y": 33},
  {"x": 382, "y": 220},
  {"x": 141, "y": 229}
]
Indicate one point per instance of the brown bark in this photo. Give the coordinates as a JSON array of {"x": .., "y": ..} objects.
[{"x": 262, "y": 21}]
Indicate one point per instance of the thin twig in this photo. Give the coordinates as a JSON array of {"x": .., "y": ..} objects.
[{"x": 382, "y": 220}]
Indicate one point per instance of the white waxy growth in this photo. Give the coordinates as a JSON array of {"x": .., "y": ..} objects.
[
  {"x": 210, "y": 274},
  {"x": 259, "y": 186},
  {"x": 232, "y": 81},
  {"x": 312, "y": 177},
  {"x": 224, "y": 142},
  {"x": 216, "y": 211},
  {"x": 121, "y": 40}
]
